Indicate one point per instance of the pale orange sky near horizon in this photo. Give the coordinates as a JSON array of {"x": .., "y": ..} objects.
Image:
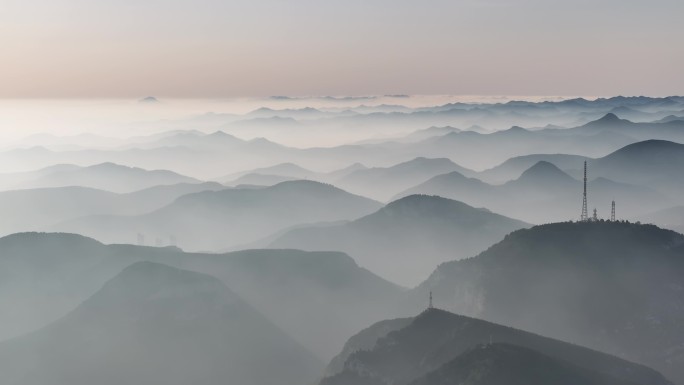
[{"x": 212, "y": 48}]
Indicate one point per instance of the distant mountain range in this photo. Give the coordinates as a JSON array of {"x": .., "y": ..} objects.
[
  {"x": 106, "y": 176},
  {"x": 544, "y": 193},
  {"x": 404, "y": 240},
  {"x": 610, "y": 286},
  {"x": 206, "y": 156},
  {"x": 42, "y": 208},
  {"x": 514, "y": 167},
  {"x": 382, "y": 183},
  {"x": 611, "y": 123},
  {"x": 217, "y": 220},
  {"x": 156, "y": 324},
  {"x": 438, "y": 347},
  {"x": 268, "y": 176},
  {"x": 654, "y": 163}
]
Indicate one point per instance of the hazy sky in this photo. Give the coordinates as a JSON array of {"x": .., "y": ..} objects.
[{"x": 213, "y": 48}]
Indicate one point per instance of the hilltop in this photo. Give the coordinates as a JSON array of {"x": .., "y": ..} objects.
[
  {"x": 407, "y": 238},
  {"x": 155, "y": 323},
  {"x": 612, "y": 286},
  {"x": 438, "y": 347}
]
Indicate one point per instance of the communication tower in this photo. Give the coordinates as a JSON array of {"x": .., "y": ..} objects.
[{"x": 585, "y": 214}]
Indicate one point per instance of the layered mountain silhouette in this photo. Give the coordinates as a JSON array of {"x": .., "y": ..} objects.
[
  {"x": 217, "y": 220},
  {"x": 76, "y": 311},
  {"x": 671, "y": 130},
  {"x": 654, "y": 163},
  {"x": 404, "y": 240},
  {"x": 514, "y": 167},
  {"x": 289, "y": 170},
  {"x": 105, "y": 176},
  {"x": 612, "y": 286},
  {"x": 196, "y": 140},
  {"x": 438, "y": 347},
  {"x": 157, "y": 324},
  {"x": 496, "y": 147},
  {"x": 319, "y": 298},
  {"x": 205, "y": 158},
  {"x": 543, "y": 193},
  {"x": 382, "y": 183},
  {"x": 40, "y": 209},
  {"x": 255, "y": 179}
]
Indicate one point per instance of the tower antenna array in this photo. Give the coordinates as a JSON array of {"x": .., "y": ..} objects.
[
  {"x": 612, "y": 212},
  {"x": 585, "y": 214}
]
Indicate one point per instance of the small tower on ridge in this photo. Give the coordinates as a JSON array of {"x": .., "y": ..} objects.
[
  {"x": 430, "y": 304},
  {"x": 612, "y": 212}
]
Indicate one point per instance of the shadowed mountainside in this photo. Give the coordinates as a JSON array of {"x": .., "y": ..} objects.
[
  {"x": 440, "y": 347},
  {"x": 610, "y": 286},
  {"x": 156, "y": 324},
  {"x": 319, "y": 298},
  {"x": 217, "y": 220},
  {"x": 105, "y": 176}
]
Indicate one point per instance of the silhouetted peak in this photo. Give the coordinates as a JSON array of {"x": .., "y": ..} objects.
[
  {"x": 36, "y": 238},
  {"x": 608, "y": 119},
  {"x": 221, "y": 135},
  {"x": 421, "y": 163},
  {"x": 596, "y": 237},
  {"x": 149, "y": 99},
  {"x": 436, "y": 319},
  {"x": 304, "y": 183},
  {"x": 309, "y": 187},
  {"x": 452, "y": 176},
  {"x": 650, "y": 147},
  {"x": 262, "y": 109},
  {"x": 424, "y": 160},
  {"x": 109, "y": 166},
  {"x": 287, "y": 167},
  {"x": 356, "y": 166},
  {"x": 433, "y": 313},
  {"x": 143, "y": 280},
  {"x": 516, "y": 129},
  {"x": 544, "y": 171},
  {"x": 425, "y": 203}
]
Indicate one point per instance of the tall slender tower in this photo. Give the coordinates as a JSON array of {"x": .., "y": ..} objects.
[
  {"x": 585, "y": 214},
  {"x": 612, "y": 212}
]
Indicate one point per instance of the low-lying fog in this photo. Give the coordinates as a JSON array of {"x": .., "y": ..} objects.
[{"x": 192, "y": 241}]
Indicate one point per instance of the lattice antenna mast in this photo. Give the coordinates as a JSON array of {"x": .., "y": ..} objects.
[
  {"x": 585, "y": 215},
  {"x": 612, "y": 212}
]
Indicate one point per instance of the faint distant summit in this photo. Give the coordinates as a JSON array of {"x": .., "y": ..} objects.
[{"x": 149, "y": 99}]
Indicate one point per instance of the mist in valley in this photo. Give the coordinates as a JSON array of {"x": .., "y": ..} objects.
[{"x": 197, "y": 246}]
